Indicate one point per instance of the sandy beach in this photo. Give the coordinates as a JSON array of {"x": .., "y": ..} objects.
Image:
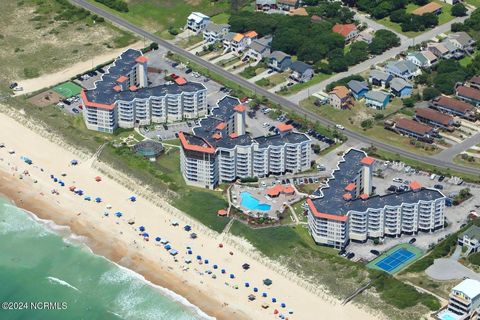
[
  {"x": 50, "y": 79},
  {"x": 121, "y": 242}
]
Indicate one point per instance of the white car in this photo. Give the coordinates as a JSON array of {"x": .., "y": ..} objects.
[{"x": 339, "y": 126}]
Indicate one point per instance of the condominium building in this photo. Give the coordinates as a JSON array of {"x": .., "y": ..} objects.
[
  {"x": 122, "y": 98},
  {"x": 463, "y": 302},
  {"x": 347, "y": 208},
  {"x": 220, "y": 150}
]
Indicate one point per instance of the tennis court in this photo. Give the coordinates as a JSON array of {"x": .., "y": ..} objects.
[
  {"x": 68, "y": 89},
  {"x": 396, "y": 258}
]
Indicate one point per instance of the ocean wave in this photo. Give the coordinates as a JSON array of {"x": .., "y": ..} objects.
[
  {"x": 14, "y": 220},
  {"x": 62, "y": 282}
]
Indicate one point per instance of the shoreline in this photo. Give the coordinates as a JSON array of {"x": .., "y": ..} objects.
[{"x": 223, "y": 298}]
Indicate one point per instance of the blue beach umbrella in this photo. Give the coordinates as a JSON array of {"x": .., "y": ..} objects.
[
  {"x": 223, "y": 271},
  {"x": 142, "y": 228},
  {"x": 215, "y": 266},
  {"x": 247, "y": 284},
  {"x": 274, "y": 300},
  {"x": 264, "y": 294},
  {"x": 146, "y": 235},
  {"x": 118, "y": 214},
  {"x": 158, "y": 239},
  {"x": 232, "y": 276},
  {"x": 206, "y": 261},
  {"x": 255, "y": 289},
  {"x": 52, "y": 176},
  {"x": 87, "y": 198},
  {"x": 133, "y": 198},
  {"x": 98, "y": 199},
  {"x": 74, "y": 162},
  {"x": 189, "y": 251},
  {"x": 199, "y": 257},
  {"x": 283, "y": 305},
  {"x": 55, "y": 179}
]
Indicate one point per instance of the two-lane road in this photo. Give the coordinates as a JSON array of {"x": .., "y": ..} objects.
[{"x": 285, "y": 103}]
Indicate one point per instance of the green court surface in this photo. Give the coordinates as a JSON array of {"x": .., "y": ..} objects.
[
  {"x": 68, "y": 89},
  {"x": 396, "y": 258}
]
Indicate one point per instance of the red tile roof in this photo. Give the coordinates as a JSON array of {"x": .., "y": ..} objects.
[
  {"x": 122, "y": 79},
  {"x": 367, "y": 161},
  {"x": 340, "y": 91},
  {"x": 141, "y": 59},
  {"x": 221, "y": 126},
  {"x": 454, "y": 104},
  {"x": 284, "y": 127},
  {"x": 475, "y": 80},
  {"x": 251, "y": 34},
  {"x": 364, "y": 196},
  {"x": 233, "y": 135},
  {"x": 413, "y": 126},
  {"x": 207, "y": 148},
  {"x": 468, "y": 92},
  {"x": 240, "y": 108},
  {"x": 414, "y": 185},
  {"x": 350, "y": 187},
  {"x": 344, "y": 29},
  {"x": 133, "y": 88},
  {"x": 217, "y": 136},
  {"x": 434, "y": 115},
  {"x": 327, "y": 216},
  {"x": 428, "y": 8},
  {"x": 180, "y": 81},
  {"x": 95, "y": 104}
]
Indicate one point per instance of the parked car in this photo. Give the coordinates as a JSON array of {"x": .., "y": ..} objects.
[
  {"x": 188, "y": 70},
  {"x": 75, "y": 110},
  {"x": 441, "y": 178},
  {"x": 350, "y": 255},
  {"x": 375, "y": 252},
  {"x": 341, "y": 252},
  {"x": 438, "y": 186},
  {"x": 340, "y": 127},
  {"x": 412, "y": 241}
]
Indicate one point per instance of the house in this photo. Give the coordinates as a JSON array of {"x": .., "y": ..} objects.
[
  {"x": 423, "y": 59},
  {"x": 377, "y": 99},
  {"x": 287, "y": 5},
  {"x": 379, "y": 78},
  {"x": 279, "y": 61},
  {"x": 463, "y": 302},
  {"x": 214, "y": 33},
  {"x": 414, "y": 129},
  {"x": 301, "y": 12},
  {"x": 401, "y": 88},
  {"x": 358, "y": 88},
  {"x": 451, "y": 2},
  {"x": 348, "y": 31},
  {"x": 431, "y": 7},
  {"x": 366, "y": 36},
  {"x": 435, "y": 118},
  {"x": 439, "y": 50},
  {"x": 474, "y": 82},
  {"x": 339, "y": 97},
  {"x": 462, "y": 41},
  {"x": 197, "y": 21},
  {"x": 403, "y": 69},
  {"x": 453, "y": 106},
  {"x": 470, "y": 239},
  {"x": 259, "y": 49},
  {"x": 468, "y": 94},
  {"x": 265, "y": 5},
  {"x": 453, "y": 51},
  {"x": 315, "y": 19},
  {"x": 238, "y": 42},
  {"x": 301, "y": 71}
]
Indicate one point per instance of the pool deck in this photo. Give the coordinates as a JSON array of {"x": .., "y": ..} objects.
[
  {"x": 416, "y": 251},
  {"x": 278, "y": 204}
]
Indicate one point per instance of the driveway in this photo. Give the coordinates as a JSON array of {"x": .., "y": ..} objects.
[
  {"x": 458, "y": 148},
  {"x": 450, "y": 269},
  {"x": 262, "y": 75}
]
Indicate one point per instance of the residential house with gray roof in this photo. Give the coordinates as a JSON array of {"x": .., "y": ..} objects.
[
  {"x": 358, "y": 88},
  {"x": 301, "y": 71},
  {"x": 214, "y": 33},
  {"x": 404, "y": 69},
  {"x": 377, "y": 99},
  {"x": 379, "y": 78},
  {"x": 258, "y": 49},
  {"x": 401, "y": 88},
  {"x": 279, "y": 61}
]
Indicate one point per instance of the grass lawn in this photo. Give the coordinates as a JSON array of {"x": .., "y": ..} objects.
[
  {"x": 159, "y": 15},
  {"x": 278, "y": 78},
  {"x": 228, "y": 62},
  {"x": 475, "y": 3},
  {"x": 475, "y": 163},
  {"x": 175, "y": 142},
  {"x": 221, "y": 18},
  {"x": 353, "y": 117},
  {"x": 319, "y": 77},
  {"x": 190, "y": 41},
  {"x": 34, "y": 40}
]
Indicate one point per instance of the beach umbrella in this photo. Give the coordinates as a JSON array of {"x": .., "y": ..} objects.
[
  {"x": 74, "y": 162},
  {"x": 255, "y": 289},
  {"x": 223, "y": 271},
  {"x": 51, "y": 176},
  {"x": 290, "y": 311},
  {"x": 55, "y": 179},
  {"x": 199, "y": 257},
  {"x": 145, "y": 234},
  {"x": 274, "y": 300},
  {"x": 187, "y": 228},
  {"x": 87, "y": 198},
  {"x": 133, "y": 198},
  {"x": 189, "y": 252},
  {"x": 108, "y": 206},
  {"x": 251, "y": 297},
  {"x": 232, "y": 276},
  {"x": 275, "y": 311},
  {"x": 62, "y": 184},
  {"x": 72, "y": 188},
  {"x": 247, "y": 284},
  {"x": 98, "y": 199},
  {"x": 215, "y": 266},
  {"x": 118, "y": 214},
  {"x": 206, "y": 261},
  {"x": 167, "y": 247},
  {"x": 264, "y": 294},
  {"x": 158, "y": 239},
  {"x": 142, "y": 228},
  {"x": 98, "y": 178},
  {"x": 283, "y": 305},
  {"x": 267, "y": 282}
]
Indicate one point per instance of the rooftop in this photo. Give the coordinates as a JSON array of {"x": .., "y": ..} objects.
[
  {"x": 332, "y": 205},
  {"x": 413, "y": 126},
  {"x": 344, "y": 29},
  {"x": 434, "y": 115},
  {"x": 340, "y": 91},
  {"x": 454, "y": 104},
  {"x": 468, "y": 92},
  {"x": 469, "y": 287},
  {"x": 430, "y": 7},
  {"x": 473, "y": 232},
  {"x": 398, "y": 84}
]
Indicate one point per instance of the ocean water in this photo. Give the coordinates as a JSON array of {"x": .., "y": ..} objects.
[{"x": 40, "y": 262}]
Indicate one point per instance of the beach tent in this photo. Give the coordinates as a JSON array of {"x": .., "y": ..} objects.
[
  {"x": 199, "y": 257},
  {"x": 158, "y": 239},
  {"x": 98, "y": 178},
  {"x": 267, "y": 282},
  {"x": 168, "y": 247},
  {"x": 283, "y": 305},
  {"x": 142, "y": 228},
  {"x": 133, "y": 198},
  {"x": 55, "y": 180},
  {"x": 206, "y": 261},
  {"x": 193, "y": 235},
  {"x": 98, "y": 199},
  {"x": 223, "y": 271},
  {"x": 251, "y": 297},
  {"x": 215, "y": 266},
  {"x": 265, "y": 305},
  {"x": 189, "y": 251},
  {"x": 164, "y": 241},
  {"x": 173, "y": 252},
  {"x": 187, "y": 261},
  {"x": 51, "y": 176},
  {"x": 118, "y": 214},
  {"x": 74, "y": 162},
  {"x": 131, "y": 221},
  {"x": 264, "y": 294},
  {"x": 274, "y": 300},
  {"x": 145, "y": 235},
  {"x": 62, "y": 183},
  {"x": 187, "y": 228}
]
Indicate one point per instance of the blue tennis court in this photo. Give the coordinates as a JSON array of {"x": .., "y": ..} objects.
[{"x": 395, "y": 259}]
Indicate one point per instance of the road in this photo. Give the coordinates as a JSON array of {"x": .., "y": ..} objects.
[
  {"x": 365, "y": 65},
  {"x": 450, "y": 153},
  {"x": 285, "y": 103}
]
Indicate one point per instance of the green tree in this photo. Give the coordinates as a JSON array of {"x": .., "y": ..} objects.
[
  {"x": 430, "y": 93},
  {"x": 459, "y": 10}
]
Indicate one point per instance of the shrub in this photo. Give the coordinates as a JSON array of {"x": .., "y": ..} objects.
[
  {"x": 474, "y": 258},
  {"x": 367, "y": 124},
  {"x": 118, "y": 5},
  {"x": 30, "y": 72}
]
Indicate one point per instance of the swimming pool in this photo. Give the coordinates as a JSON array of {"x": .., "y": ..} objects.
[
  {"x": 252, "y": 203},
  {"x": 447, "y": 315}
]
